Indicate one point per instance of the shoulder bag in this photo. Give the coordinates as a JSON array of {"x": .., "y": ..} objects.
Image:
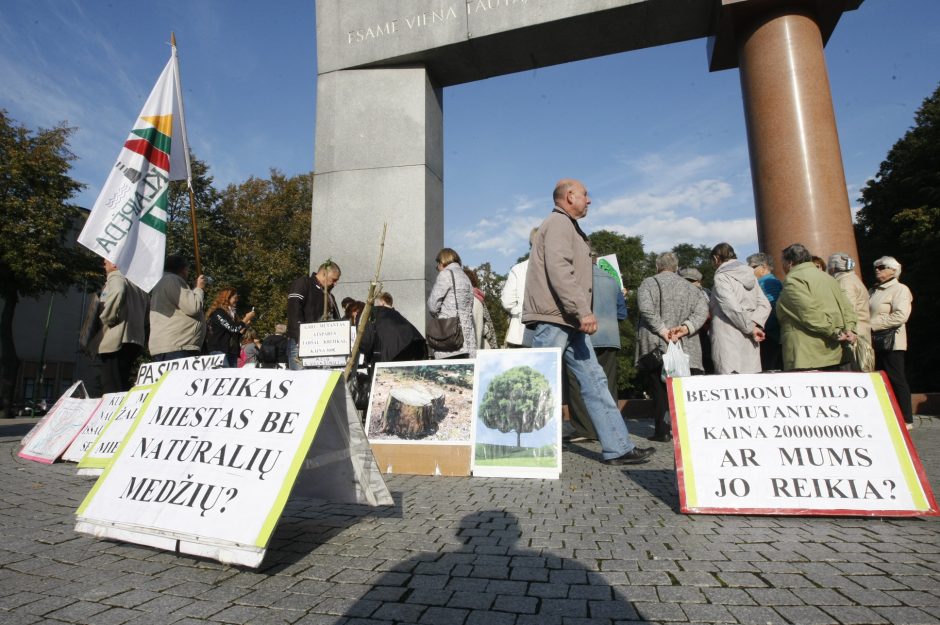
[{"x": 446, "y": 335}]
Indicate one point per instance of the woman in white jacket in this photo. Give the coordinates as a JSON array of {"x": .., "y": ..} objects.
[
  {"x": 739, "y": 310},
  {"x": 890, "y": 304}
]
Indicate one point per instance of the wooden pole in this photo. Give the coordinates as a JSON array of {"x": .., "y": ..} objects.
[
  {"x": 367, "y": 309},
  {"x": 192, "y": 200}
]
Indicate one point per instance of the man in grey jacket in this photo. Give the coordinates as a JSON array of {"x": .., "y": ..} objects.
[
  {"x": 177, "y": 320},
  {"x": 123, "y": 320},
  {"x": 557, "y": 307}
]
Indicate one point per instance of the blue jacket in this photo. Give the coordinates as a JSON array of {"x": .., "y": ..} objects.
[{"x": 609, "y": 308}]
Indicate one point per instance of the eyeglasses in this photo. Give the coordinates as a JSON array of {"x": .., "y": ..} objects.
[{"x": 881, "y": 267}]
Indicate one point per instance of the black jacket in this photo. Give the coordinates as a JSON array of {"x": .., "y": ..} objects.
[
  {"x": 305, "y": 305},
  {"x": 223, "y": 333},
  {"x": 389, "y": 337}
]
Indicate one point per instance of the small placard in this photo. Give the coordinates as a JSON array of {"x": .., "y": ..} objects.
[{"x": 325, "y": 338}]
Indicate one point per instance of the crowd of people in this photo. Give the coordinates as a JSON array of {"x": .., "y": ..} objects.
[{"x": 821, "y": 317}]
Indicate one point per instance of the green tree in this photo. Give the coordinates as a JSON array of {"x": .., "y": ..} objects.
[
  {"x": 492, "y": 285},
  {"x": 35, "y": 218},
  {"x": 900, "y": 217},
  {"x": 268, "y": 221},
  {"x": 214, "y": 232},
  {"x": 518, "y": 400},
  {"x": 699, "y": 257}
]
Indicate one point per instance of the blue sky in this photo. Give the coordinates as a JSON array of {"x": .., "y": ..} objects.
[{"x": 658, "y": 140}]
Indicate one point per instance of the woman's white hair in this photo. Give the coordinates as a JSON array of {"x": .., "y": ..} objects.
[{"x": 891, "y": 263}]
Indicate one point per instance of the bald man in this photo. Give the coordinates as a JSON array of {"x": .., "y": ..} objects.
[{"x": 557, "y": 308}]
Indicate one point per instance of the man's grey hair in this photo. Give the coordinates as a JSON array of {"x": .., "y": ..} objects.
[
  {"x": 760, "y": 260},
  {"x": 667, "y": 262}
]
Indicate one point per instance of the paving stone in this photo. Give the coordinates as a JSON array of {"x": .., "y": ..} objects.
[
  {"x": 908, "y": 616},
  {"x": 856, "y": 615}
]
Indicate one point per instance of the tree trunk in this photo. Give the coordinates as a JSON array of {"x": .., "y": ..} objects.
[
  {"x": 9, "y": 361},
  {"x": 410, "y": 412},
  {"x": 518, "y": 440}
]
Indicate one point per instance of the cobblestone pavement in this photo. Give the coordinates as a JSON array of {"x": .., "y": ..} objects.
[{"x": 602, "y": 545}]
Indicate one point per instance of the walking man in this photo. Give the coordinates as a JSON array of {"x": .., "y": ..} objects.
[{"x": 557, "y": 307}]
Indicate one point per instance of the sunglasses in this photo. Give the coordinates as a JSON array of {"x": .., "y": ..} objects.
[{"x": 881, "y": 267}]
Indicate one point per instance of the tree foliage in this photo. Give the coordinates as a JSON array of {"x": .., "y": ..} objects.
[
  {"x": 900, "y": 217},
  {"x": 518, "y": 400},
  {"x": 35, "y": 218},
  {"x": 492, "y": 285}
]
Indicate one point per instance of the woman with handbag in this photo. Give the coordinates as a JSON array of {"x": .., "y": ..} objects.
[
  {"x": 890, "y": 306},
  {"x": 450, "y": 331}
]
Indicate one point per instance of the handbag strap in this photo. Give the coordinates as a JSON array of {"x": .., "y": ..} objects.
[{"x": 453, "y": 281}]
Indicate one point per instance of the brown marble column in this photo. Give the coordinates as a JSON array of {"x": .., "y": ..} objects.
[{"x": 796, "y": 162}]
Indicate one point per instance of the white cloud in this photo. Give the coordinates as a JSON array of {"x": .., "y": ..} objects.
[
  {"x": 663, "y": 233},
  {"x": 694, "y": 196}
]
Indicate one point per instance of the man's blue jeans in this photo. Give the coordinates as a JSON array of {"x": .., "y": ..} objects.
[
  {"x": 582, "y": 363},
  {"x": 293, "y": 362}
]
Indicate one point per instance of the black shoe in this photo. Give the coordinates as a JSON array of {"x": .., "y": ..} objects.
[
  {"x": 634, "y": 456},
  {"x": 660, "y": 438}
]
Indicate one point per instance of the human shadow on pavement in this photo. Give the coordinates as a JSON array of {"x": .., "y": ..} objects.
[{"x": 491, "y": 578}]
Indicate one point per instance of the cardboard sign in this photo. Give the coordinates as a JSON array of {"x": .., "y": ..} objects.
[
  {"x": 212, "y": 457},
  {"x": 517, "y": 413},
  {"x": 57, "y": 433},
  {"x": 100, "y": 453},
  {"x": 76, "y": 390},
  {"x": 151, "y": 371},
  {"x": 795, "y": 443},
  {"x": 99, "y": 419},
  {"x": 325, "y": 338}
]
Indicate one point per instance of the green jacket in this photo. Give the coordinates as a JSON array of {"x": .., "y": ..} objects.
[{"x": 812, "y": 310}]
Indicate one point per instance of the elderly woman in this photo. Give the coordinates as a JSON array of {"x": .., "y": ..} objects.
[
  {"x": 671, "y": 310},
  {"x": 739, "y": 311},
  {"x": 841, "y": 266},
  {"x": 890, "y": 307},
  {"x": 452, "y": 296},
  {"x": 815, "y": 316}
]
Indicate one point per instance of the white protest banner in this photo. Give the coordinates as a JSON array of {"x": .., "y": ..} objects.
[
  {"x": 795, "y": 443},
  {"x": 100, "y": 453},
  {"x": 99, "y": 419},
  {"x": 212, "y": 457},
  {"x": 610, "y": 265},
  {"x": 76, "y": 390},
  {"x": 58, "y": 432},
  {"x": 151, "y": 371},
  {"x": 325, "y": 338}
]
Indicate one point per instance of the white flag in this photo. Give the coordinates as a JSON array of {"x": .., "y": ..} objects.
[{"x": 127, "y": 224}]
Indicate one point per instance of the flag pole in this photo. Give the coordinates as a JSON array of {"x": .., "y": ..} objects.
[{"x": 189, "y": 174}]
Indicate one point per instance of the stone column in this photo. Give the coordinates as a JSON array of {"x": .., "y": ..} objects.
[
  {"x": 796, "y": 162},
  {"x": 379, "y": 156}
]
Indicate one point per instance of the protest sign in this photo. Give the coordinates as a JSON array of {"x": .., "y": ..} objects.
[
  {"x": 212, "y": 457},
  {"x": 76, "y": 390},
  {"x": 57, "y": 433},
  {"x": 610, "y": 265},
  {"x": 150, "y": 372},
  {"x": 795, "y": 443},
  {"x": 99, "y": 454},
  {"x": 325, "y": 338},
  {"x": 99, "y": 419}
]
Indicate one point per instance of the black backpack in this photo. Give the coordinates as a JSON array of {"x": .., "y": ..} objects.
[{"x": 273, "y": 350}]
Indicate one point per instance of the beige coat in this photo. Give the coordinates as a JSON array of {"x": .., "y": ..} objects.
[
  {"x": 890, "y": 307},
  {"x": 123, "y": 313},
  {"x": 857, "y": 295},
  {"x": 177, "y": 321}
]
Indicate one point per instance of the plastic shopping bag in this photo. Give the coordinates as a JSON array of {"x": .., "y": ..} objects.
[{"x": 675, "y": 362}]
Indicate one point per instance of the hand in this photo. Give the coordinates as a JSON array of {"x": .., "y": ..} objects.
[
  {"x": 249, "y": 316},
  {"x": 847, "y": 336},
  {"x": 678, "y": 332},
  {"x": 201, "y": 282},
  {"x": 589, "y": 324},
  {"x": 758, "y": 335}
]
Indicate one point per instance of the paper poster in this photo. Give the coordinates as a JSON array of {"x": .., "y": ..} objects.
[
  {"x": 795, "y": 443},
  {"x": 57, "y": 433},
  {"x": 517, "y": 413},
  {"x": 150, "y": 372},
  {"x": 325, "y": 338},
  {"x": 420, "y": 417},
  {"x": 211, "y": 459},
  {"x": 100, "y": 453},
  {"x": 99, "y": 419},
  {"x": 610, "y": 266}
]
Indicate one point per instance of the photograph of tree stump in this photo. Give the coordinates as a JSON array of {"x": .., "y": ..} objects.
[{"x": 421, "y": 402}]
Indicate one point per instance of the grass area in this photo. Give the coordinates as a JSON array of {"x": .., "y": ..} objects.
[{"x": 504, "y": 456}]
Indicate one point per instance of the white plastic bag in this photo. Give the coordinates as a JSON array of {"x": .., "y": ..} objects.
[{"x": 675, "y": 362}]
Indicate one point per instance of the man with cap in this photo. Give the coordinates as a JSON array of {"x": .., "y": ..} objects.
[{"x": 694, "y": 277}]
